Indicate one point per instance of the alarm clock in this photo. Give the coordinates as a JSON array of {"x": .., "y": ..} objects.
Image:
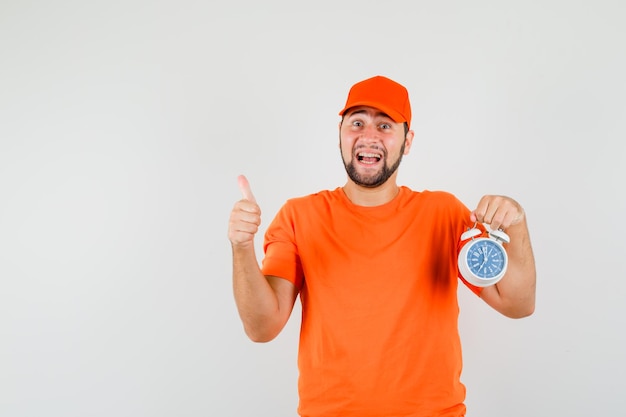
[{"x": 483, "y": 260}]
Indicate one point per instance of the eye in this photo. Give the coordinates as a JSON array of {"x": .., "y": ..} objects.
[
  {"x": 357, "y": 123},
  {"x": 385, "y": 126}
]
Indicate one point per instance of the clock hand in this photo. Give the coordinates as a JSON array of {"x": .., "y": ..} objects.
[{"x": 484, "y": 259}]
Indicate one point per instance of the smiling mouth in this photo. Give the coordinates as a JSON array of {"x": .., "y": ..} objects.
[{"x": 368, "y": 157}]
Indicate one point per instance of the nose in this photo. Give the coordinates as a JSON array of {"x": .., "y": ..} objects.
[{"x": 369, "y": 133}]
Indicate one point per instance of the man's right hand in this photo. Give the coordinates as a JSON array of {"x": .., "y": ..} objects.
[{"x": 245, "y": 218}]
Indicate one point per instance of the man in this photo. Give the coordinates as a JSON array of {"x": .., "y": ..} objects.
[{"x": 375, "y": 265}]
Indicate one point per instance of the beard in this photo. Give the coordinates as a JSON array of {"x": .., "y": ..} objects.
[{"x": 376, "y": 179}]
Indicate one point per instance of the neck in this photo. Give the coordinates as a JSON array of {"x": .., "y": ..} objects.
[{"x": 370, "y": 197}]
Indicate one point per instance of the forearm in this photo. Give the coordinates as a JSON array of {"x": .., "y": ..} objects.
[
  {"x": 517, "y": 288},
  {"x": 256, "y": 300}
]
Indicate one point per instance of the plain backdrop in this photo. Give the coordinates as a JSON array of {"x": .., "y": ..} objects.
[{"x": 123, "y": 127}]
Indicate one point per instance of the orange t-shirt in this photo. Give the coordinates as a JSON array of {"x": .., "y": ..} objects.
[{"x": 378, "y": 286}]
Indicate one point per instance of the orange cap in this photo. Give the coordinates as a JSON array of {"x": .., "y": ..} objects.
[{"x": 383, "y": 94}]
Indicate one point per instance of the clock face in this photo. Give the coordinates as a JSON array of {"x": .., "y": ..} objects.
[{"x": 486, "y": 258}]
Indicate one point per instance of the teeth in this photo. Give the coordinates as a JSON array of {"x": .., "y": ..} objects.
[{"x": 368, "y": 155}]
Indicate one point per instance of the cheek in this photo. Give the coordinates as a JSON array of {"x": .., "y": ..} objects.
[
  {"x": 346, "y": 152},
  {"x": 346, "y": 144},
  {"x": 395, "y": 144}
]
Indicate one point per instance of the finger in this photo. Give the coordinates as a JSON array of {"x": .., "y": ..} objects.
[
  {"x": 243, "y": 225},
  {"x": 241, "y": 232},
  {"x": 239, "y": 237},
  {"x": 244, "y": 186},
  {"x": 246, "y": 212},
  {"x": 489, "y": 211},
  {"x": 498, "y": 211},
  {"x": 478, "y": 214}
]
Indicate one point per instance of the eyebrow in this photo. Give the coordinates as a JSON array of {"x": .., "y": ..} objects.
[{"x": 379, "y": 113}]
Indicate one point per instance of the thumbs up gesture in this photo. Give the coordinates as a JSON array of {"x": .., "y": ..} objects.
[{"x": 245, "y": 217}]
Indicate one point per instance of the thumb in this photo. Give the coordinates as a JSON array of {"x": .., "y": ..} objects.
[{"x": 244, "y": 186}]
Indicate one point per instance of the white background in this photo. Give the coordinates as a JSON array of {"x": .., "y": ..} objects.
[{"x": 123, "y": 126}]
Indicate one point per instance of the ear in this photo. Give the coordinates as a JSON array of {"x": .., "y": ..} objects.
[
  {"x": 408, "y": 141},
  {"x": 339, "y": 131}
]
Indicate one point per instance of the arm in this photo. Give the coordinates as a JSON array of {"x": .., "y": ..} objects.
[
  {"x": 514, "y": 295},
  {"x": 264, "y": 303}
]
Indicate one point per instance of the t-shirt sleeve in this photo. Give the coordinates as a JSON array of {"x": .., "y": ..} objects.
[{"x": 281, "y": 251}]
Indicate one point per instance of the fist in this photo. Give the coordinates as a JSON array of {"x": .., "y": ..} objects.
[{"x": 245, "y": 218}]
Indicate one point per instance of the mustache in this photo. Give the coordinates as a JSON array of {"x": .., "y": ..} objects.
[{"x": 361, "y": 147}]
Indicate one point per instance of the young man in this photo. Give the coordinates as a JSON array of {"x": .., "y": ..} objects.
[{"x": 375, "y": 265}]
